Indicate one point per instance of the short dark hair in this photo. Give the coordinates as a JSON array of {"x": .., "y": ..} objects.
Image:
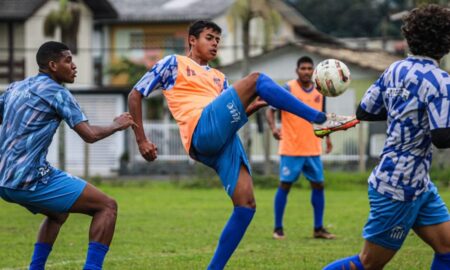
[
  {"x": 49, "y": 51},
  {"x": 427, "y": 31},
  {"x": 198, "y": 26},
  {"x": 304, "y": 59}
]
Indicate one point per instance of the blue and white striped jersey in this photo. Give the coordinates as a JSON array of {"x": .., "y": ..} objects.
[
  {"x": 416, "y": 95},
  {"x": 32, "y": 110}
]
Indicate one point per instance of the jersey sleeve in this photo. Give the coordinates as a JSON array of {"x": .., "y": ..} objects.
[
  {"x": 66, "y": 106},
  {"x": 162, "y": 76},
  {"x": 372, "y": 101},
  {"x": 3, "y": 100},
  {"x": 438, "y": 103}
]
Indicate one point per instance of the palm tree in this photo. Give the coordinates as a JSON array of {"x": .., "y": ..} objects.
[
  {"x": 67, "y": 19},
  {"x": 243, "y": 12}
]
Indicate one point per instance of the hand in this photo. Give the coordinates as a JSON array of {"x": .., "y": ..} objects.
[
  {"x": 329, "y": 145},
  {"x": 276, "y": 134},
  {"x": 148, "y": 150},
  {"x": 124, "y": 121},
  {"x": 259, "y": 103}
]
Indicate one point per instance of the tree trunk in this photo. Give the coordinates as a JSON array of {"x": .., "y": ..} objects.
[{"x": 245, "y": 71}]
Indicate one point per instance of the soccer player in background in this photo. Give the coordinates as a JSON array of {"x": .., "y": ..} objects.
[
  {"x": 30, "y": 112},
  {"x": 209, "y": 112},
  {"x": 300, "y": 150},
  {"x": 413, "y": 95}
]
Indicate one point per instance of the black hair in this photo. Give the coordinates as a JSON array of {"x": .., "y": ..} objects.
[
  {"x": 427, "y": 31},
  {"x": 304, "y": 59},
  {"x": 49, "y": 51},
  {"x": 198, "y": 26}
]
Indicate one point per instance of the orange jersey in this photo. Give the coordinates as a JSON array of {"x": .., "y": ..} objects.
[
  {"x": 188, "y": 88},
  {"x": 298, "y": 137}
]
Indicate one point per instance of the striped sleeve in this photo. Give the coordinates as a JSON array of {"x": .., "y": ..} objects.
[{"x": 162, "y": 76}]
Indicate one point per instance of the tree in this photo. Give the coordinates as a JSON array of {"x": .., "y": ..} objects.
[
  {"x": 242, "y": 12},
  {"x": 67, "y": 19}
]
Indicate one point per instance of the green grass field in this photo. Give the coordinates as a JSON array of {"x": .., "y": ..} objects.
[{"x": 161, "y": 226}]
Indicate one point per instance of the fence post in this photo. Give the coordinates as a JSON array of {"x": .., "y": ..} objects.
[{"x": 361, "y": 148}]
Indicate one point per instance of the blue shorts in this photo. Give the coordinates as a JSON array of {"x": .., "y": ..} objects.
[
  {"x": 390, "y": 220},
  {"x": 215, "y": 142},
  {"x": 56, "y": 193},
  {"x": 291, "y": 168}
]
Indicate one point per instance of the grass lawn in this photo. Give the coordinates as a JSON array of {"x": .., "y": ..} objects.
[{"x": 165, "y": 227}]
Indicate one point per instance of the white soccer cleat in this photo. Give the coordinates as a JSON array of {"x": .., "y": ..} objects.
[{"x": 334, "y": 123}]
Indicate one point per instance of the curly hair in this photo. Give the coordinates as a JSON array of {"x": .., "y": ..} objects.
[{"x": 427, "y": 31}]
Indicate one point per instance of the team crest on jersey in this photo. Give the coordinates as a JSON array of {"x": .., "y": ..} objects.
[
  {"x": 317, "y": 99},
  {"x": 397, "y": 233},
  {"x": 217, "y": 81},
  {"x": 190, "y": 72}
]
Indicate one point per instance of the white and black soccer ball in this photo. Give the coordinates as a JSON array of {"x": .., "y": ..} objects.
[{"x": 331, "y": 77}]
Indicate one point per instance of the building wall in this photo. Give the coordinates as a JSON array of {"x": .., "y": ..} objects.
[
  {"x": 34, "y": 37},
  {"x": 145, "y": 44}
]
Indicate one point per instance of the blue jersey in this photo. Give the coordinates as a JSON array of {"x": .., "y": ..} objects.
[
  {"x": 416, "y": 95},
  {"x": 32, "y": 110}
]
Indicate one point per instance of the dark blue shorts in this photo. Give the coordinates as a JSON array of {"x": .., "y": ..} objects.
[
  {"x": 215, "y": 142},
  {"x": 56, "y": 193}
]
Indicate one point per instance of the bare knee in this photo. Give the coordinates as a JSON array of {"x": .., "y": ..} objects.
[
  {"x": 110, "y": 208},
  {"x": 318, "y": 186},
  {"x": 248, "y": 202},
  {"x": 58, "y": 219},
  {"x": 371, "y": 264},
  {"x": 286, "y": 186},
  {"x": 253, "y": 76}
]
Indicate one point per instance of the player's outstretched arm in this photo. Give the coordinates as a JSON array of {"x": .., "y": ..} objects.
[
  {"x": 91, "y": 134},
  {"x": 148, "y": 150}
]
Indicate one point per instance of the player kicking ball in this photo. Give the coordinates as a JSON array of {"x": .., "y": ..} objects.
[
  {"x": 413, "y": 95},
  {"x": 209, "y": 113},
  {"x": 30, "y": 112}
]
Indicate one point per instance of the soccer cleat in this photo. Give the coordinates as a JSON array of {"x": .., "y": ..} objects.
[
  {"x": 278, "y": 234},
  {"x": 334, "y": 123},
  {"x": 323, "y": 234}
]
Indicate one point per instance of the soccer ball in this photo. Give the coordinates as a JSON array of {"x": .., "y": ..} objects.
[{"x": 331, "y": 77}]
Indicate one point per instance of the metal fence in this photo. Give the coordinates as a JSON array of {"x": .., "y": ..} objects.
[{"x": 166, "y": 136}]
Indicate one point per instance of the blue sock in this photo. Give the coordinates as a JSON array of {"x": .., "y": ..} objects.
[
  {"x": 95, "y": 256},
  {"x": 231, "y": 236},
  {"x": 318, "y": 203},
  {"x": 40, "y": 255},
  {"x": 279, "y": 206},
  {"x": 280, "y": 98},
  {"x": 441, "y": 261},
  {"x": 344, "y": 264}
]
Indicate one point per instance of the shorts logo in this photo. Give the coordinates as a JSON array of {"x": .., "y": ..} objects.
[
  {"x": 235, "y": 114},
  {"x": 397, "y": 233},
  {"x": 285, "y": 170}
]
